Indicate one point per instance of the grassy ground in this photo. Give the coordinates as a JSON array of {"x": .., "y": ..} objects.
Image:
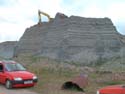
[{"x": 52, "y": 74}]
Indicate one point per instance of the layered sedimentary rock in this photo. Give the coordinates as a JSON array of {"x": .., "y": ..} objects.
[
  {"x": 72, "y": 38},
  {"x": 7, "y": 49}
]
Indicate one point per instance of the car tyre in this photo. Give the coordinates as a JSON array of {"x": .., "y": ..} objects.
[{"x": 8, "y": 84}]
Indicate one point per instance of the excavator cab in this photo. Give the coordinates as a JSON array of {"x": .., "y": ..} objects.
[{"x": 43, "y": 13}]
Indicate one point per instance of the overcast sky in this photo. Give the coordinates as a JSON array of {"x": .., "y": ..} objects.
[{"x": 17, "y": 15}]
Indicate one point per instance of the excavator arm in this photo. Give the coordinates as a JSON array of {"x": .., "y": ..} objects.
[{"x": 45, "y": 14}]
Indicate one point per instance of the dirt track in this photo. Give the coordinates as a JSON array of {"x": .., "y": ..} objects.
[{"x": 3, "y": 90}]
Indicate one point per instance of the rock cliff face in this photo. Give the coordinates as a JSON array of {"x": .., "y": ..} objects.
[
  {"x": 7, "y": 49},
  {"x": 72, "y": 38}
]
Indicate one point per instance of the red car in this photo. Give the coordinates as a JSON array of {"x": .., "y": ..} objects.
[
  {"x": 13, "y": 74},
  {"x": 115, "y": 89}
]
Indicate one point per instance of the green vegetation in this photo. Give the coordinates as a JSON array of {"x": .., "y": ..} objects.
[{"x": 113, "y": 82}]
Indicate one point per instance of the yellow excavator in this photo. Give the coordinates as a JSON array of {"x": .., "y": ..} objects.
[{"x": 45, "y": 14}]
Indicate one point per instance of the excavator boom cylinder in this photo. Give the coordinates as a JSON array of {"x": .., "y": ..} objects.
[{"x": 45, "y": 14}]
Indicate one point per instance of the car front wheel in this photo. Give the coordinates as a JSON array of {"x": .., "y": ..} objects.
[{"x": 8, "y": 84}]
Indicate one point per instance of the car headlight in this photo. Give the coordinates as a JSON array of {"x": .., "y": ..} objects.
[
  {"x": 97, "y": 92},
  {"x": 34, "y": 77},
  {"x": 18, "y": 79}
]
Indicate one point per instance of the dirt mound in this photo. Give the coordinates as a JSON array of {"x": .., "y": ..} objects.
[
  {"x": 74, "y": 38},
  {"x": 7, "y": 49}
]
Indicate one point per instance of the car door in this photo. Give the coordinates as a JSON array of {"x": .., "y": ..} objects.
[{"x": 2, "y": 74}]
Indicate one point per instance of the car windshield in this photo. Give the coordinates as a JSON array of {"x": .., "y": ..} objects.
[{"x": 14, "y": 67}]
